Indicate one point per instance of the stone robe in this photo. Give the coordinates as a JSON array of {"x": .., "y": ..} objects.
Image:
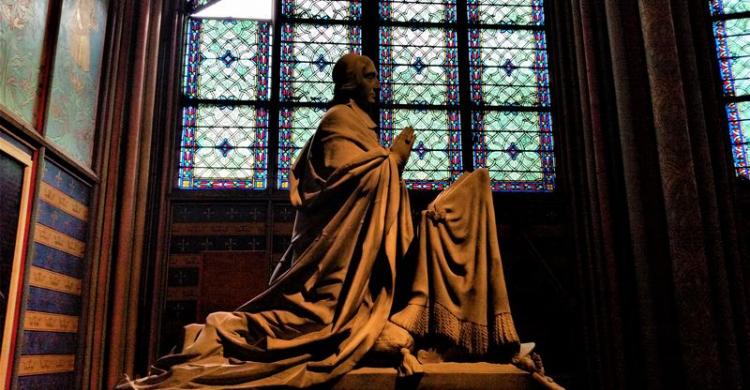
[
  {"x": 317, "y": 319},
  {"x": 325, "y": 312},
  {"x": 457, "y": 284}
]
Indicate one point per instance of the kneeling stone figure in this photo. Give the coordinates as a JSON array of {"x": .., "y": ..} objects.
[{"x": 334, "y": 299}]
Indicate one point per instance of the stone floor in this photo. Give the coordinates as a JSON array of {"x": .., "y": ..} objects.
[{"x": 441, "y": 376}]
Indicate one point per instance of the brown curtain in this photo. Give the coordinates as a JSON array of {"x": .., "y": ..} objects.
[{"x": 646, "y": 160}]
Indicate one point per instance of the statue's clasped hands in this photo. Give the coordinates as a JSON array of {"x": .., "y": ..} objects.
[{"x": 402, "y": 145}]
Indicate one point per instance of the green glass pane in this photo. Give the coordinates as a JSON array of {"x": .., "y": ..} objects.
[
  {"x": 224, "y": 143},
  {"x": 423, "y": 67},
  {"x": 511, "y": 73},
  {"x": 228, "y": 56},
  {"x": 513, "y": 12},
  {"x": 296, "y": 126},
  {"x": 322, "y": 9},
  {"x": 719, "y": 7},
  {"x": 419, "y": 11},
  {"x": 434, "y": 145},
  {"x": 308, "y": 54},
  {"x": 525, "y": 166},
  {"x": 738, "y": 57}
]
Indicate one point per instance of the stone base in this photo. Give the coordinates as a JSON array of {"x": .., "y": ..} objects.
[{"x": 441, "y": 376}]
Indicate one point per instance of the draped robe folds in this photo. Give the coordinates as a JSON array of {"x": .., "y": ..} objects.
[
  {"x": 322, "y": 315},
  {"x": 458, "y": 288},
  {"x": 318, "y": 319}
]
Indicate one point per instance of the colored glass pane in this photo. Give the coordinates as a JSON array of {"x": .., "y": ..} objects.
[
  {"x": 223, "y": 147},
  {"x": 418, "y": 66},
  {"x": 508, "y": 67},
  {"x": 732, "y": 37},
  {"x": 419, "y": 11},
  {"x": 733, "y": 42},
  {"x": 738, "y": 115},
  {"x": 322, "y": 9},
  {"x": 228, "y": 59},
  {"x": 508, "y": 12},
  {"x": 308, "y": 52},
  {"x": 517, "y": 146},
  {"x": 724, "y": 7},
  {"x": 436, "y": 154},
  {"x": 509, "y": 88},
  {"x": 296, "y": 126}
]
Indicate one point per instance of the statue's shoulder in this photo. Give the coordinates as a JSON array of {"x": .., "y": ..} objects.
[
  {"x": 338, "y": 114},
  {"x": 338, "y": 110}
]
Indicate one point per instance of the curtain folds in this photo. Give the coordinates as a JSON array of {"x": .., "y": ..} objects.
[{"x": 665, "y": 290}]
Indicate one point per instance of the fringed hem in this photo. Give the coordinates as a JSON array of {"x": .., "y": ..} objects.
[
  {"x": 413, "y": 318},
  {"x": 470, "y": 336},
  {"x": 474, "y": 338},
  {"x": 505, "y": 330}
]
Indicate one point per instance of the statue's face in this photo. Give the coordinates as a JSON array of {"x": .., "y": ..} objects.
[{"x": 368, "y": 82}]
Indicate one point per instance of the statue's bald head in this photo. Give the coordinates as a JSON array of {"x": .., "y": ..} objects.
[{"x": 349, "y": 77}]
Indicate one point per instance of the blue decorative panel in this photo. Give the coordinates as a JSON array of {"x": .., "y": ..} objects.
[
  {"x": 46, "y": 381},
  {"x": 48, "y": 338},
  {"x": 48, "y": 301},
  {"x": 56, "y": 260},
  {"x": 61, "y": 221},
  {"x": 65, "y": 182},
  {"x": 49, "y": 343}
]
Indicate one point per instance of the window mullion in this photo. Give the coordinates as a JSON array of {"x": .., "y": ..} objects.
[
  {"x": 464, "y": 93},
  {"x": 274, "y": 106}
]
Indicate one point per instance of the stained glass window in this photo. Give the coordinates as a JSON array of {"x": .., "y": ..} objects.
[
  {"x": 731, "y": 28},
  {"x": 493, "y": 106},
  {"x": 314, "y": 34},
  {"x": 420, "y": 88},
  {"x": 225, "y": 123},
  {"x": 510, "y": 98}
]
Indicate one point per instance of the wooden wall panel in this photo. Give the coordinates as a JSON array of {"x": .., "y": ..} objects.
[
  {"x": 16, "y": 173},
  {"x": 218, "y": 258}
]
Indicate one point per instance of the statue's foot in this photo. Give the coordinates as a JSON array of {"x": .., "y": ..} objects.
[
  {"x": 431, "y": 355},
  {"x": 409, "y": 364},
  {"x": 393, "y": 339}
]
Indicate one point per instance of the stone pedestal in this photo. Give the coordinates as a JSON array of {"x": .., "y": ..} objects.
[{"x": 441, "y": 376}]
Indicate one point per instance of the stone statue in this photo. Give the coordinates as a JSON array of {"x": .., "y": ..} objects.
[{"x": 331, "y": 301}]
